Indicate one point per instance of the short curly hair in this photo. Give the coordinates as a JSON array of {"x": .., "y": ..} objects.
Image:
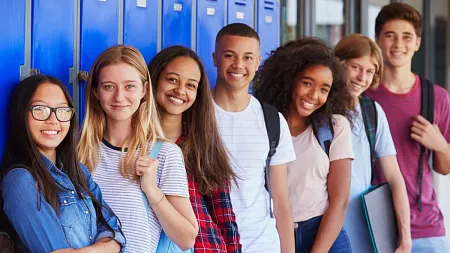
[{"x": 275, "y": 80}]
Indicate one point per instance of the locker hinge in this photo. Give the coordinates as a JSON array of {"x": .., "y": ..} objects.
[
  {"x": 34, "y": 72},
  {"x": 83, "y": 75}
]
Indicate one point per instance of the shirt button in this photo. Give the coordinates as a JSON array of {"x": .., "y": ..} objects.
[
  {"x": 87, "y": 212},
  {"x": 65, "y": 201},
  {"x": 90, "y": 237},
  {"x": 73, "y": 192}
]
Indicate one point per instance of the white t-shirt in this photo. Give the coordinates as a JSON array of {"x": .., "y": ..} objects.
[
  {"x": 355, "y": 221},
  {"x": 125, "y": 196},
  {"x": 245, "y": 137},
  {"x": 308, "y": 175}
]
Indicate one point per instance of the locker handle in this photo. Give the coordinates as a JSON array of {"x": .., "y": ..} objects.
[
  {"x": 34, "y": 72},
  {"x": 269, "y": 5},
  {"x": 83, "y": 75},
  {"x": 242, "y": 3}
]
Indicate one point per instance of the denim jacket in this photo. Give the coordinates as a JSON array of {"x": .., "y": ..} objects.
[{"x": 40, "y": 228}]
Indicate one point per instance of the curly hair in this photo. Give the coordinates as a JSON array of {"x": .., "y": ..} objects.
[{"x": 275, "y": 80}]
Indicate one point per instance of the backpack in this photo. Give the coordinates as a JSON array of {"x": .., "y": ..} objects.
[{"x": 272, "y": 120}]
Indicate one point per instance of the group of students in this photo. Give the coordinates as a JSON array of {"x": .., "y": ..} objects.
[{"x": 219, "y": 181}]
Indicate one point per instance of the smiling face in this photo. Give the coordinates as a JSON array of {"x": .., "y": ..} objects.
[
  {"x": 48, "y": 134},
  {"x": 119, "y": 91},
  {"x": 399, "y": 42},
  {"x": 237, "y": 59},
  {"x": 311, "y": 90},
  {"x": 178, "y": 84},
  {"x": 360, "y": 74}
]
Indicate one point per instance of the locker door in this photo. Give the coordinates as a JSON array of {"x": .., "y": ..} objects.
[
  {"x": 268, "y": 25},
  {"x": 99, "y": 30},
  {"x": 12, "y": 53},
  {"x": 241, "y": 11},
  {"x": 141, "y": 26},
  {"x": 177, "y": 23},
  {"x": 210, "y": 19},
  {"x": 53, "y": 38}
]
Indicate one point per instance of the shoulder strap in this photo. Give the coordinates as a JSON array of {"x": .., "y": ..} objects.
[
  {"x": 324, "y": 133},
  {"x": 155, "y": 150},
  {"x": 370, "y": 118},
  {"x": 272, "y": 120},
  {"x": 427, "y": 111},
  {"x": 153, "y": 154}
]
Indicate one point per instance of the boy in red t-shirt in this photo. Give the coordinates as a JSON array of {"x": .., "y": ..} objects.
[{"x": 398, "y": 32}]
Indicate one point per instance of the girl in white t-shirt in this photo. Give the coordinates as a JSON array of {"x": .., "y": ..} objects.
[
  {"x": 119, "y": 130},
  {"x": 363, "y": 63},
  {"x": 304, "y": 80}
]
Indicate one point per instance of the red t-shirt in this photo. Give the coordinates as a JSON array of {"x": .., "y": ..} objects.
[{"x": 400, "y": 110}]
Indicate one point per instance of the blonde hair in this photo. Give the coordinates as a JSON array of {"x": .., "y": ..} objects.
[
  {"x": 355, "y": 46},
  {"x": 145, "y": 121}
]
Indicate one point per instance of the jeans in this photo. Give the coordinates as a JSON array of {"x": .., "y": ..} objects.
[
  {"x": 305, "y": 235},
  {"x": 431, "y": 245}
]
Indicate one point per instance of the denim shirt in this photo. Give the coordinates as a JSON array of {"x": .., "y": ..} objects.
[{"x": 40, "y": 228}]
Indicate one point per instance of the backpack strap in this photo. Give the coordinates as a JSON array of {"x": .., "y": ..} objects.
[
  {"x": 324, "y": 133},
  {"x": 153, "y": 154},
  {"x": 427, "y": 111},
  {"x": 370, "y": 119},
  {"x": 272, "y": 120}
]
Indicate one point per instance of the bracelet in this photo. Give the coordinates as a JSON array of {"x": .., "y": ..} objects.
[{"x": 152, "y": 204}]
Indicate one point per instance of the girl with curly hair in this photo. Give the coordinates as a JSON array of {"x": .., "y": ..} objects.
[{"x": 304, "y": 81}]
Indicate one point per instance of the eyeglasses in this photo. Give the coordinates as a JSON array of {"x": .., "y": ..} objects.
[{"x": 43, "y": 113}]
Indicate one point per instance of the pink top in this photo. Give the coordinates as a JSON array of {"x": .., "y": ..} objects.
[{"x": 400, "y": 110}]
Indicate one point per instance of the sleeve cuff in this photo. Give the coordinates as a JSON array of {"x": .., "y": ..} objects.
[{"x": 119, "y": 238}]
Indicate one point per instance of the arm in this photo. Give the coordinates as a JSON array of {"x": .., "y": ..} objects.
[
  {"x": 110, "y": 218},
  {"x": 282, "y": 207},
  {"x": 395, "y": 180},
  {"x": 173, "y": 211},
  {"x": 338, "y": 197},
  {"x": 430, "y": 136},
  {"x": 104, "y": 245},
  {"x": 219, "y": 204}
]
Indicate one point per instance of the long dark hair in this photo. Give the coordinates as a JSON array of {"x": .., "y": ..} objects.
[
  {"x": 275, "y": 80},
  {"x": 21, "y": 150},
  {"x": 204, "y": 152}
]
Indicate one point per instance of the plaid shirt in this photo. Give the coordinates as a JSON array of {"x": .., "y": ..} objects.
[{"x": 218, "y": 230}]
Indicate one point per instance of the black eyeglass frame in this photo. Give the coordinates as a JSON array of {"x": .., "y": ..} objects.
[{"x": 52, "y": 110}]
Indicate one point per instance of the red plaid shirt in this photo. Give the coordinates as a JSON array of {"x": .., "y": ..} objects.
[{"x": 218, "y": 231}]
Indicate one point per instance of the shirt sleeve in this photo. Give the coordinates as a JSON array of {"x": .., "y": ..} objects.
[
  {"x": 110, "y": 217},
  {"x": 341, "y": 145},
  {"x": 171, "y": 170},
  {"x": 285, "y": 151},
  {"x": 33, "y": 218},
  {"x": 384, "y": 145},
  {"x": 219, "y": 203}
]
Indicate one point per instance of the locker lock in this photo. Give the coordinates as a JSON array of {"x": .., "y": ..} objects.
[
  {"x": 34, "y": 72},
  {"x": 83, "y": 76}
]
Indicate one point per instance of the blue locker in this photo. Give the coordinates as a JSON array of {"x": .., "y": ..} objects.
[
  {"x": 268, "y": 25},
  {"x": 12, "y": 54},
  {"x": 99, "y": 31},
  {"x": 177, "y": 23},
  {"x": 141, "y": 26},
  {"x": 241, "y": 11},
  {"x": 210, "y": 19},
  {"x": 53, "y": 38}
]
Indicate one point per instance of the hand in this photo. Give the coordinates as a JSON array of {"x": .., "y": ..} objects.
[
  {"x": 403, "y": 248},
  {"x": 146, "y": 168},
  {"x": 428, "y": 135}
]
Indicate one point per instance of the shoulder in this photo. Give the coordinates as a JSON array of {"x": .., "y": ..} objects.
[
  {"x": 17, "y": 181},
  {"x": 340, "y": 121},
  {"x": 441, "y": 95}
]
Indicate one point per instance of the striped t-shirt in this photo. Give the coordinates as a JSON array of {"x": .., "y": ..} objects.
[
  {"x": 245, "y": 137},
  {"x": 125, "y": 196}
]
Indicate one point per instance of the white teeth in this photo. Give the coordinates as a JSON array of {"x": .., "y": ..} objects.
[
  {"x": 176, "y": 100},
  {"x": 237, "y": 75},
  {"x": 49, "y": 132},
  {"x": 397, "y": 54},
  {"x": 308, "y": 105},
  {"x": 357, "y": 85}
]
